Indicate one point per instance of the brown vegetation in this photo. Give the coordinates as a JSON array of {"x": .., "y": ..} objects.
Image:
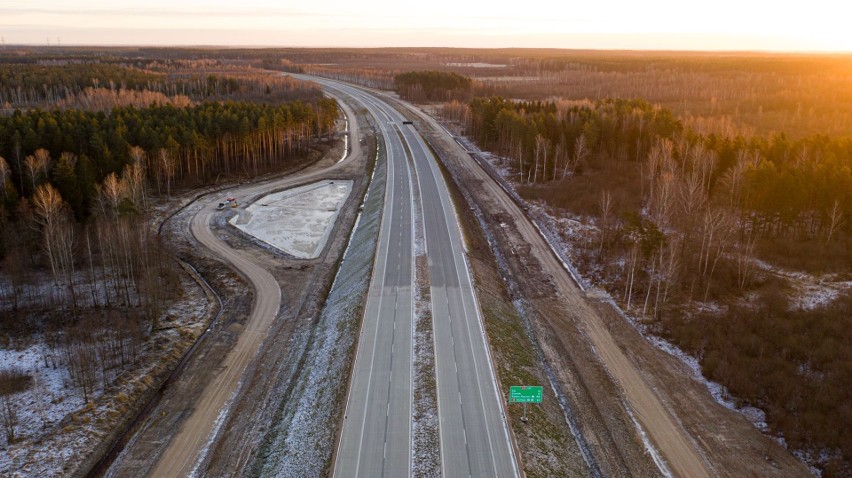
[{"x": 12, "y": 382}]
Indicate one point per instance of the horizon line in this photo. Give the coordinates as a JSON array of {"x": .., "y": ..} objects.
[{"x": 340, "y": 47}]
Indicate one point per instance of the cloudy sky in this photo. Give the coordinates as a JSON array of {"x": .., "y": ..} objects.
[{"x": 813, "y": 25}]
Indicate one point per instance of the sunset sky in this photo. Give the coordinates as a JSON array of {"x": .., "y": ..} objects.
[{"x": 816, "y": 25}]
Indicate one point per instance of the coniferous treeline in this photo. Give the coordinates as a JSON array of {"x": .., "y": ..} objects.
[
  {"x": 432, "y": 86},
  {"x": 183, "y": 145},
  {"x": 27, "y": 84}
]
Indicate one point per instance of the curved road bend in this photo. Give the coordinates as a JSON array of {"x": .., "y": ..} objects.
[
  {"x": 474, "y": 436},
  {"x": 186, "y": 447}
]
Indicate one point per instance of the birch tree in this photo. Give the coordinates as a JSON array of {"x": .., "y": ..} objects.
[
  {"x": 5, "y": 173},
  {"x": 581, "y": 152},
  {"x": 605, "y": 203},
  {"x": 167, "y": 169},
  {"x": 133, "y": 177},
  {"x": 835, "y": 219},
  {"x": 54, "y": 223},
  {"x": 37, "y": 165}
]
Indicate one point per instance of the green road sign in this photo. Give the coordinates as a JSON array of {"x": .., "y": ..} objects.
[{"x": 524, "y": 394}]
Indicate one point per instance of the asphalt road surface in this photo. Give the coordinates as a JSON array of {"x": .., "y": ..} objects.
[
  {"x": 185, "y": 450},
  {"x": 376, "y": 436}
]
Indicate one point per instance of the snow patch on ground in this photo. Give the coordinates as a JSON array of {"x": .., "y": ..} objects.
[
  {"x": 296, "y": 221},
  {"x": 649, "y": 447},
  {"x": 345, "y": 141},
  {"x": 50, "y": 398},
  {"x": 217, "y": 427},
  {"x": 57, "y": 429},
  {"x": 811, "y": 292}
]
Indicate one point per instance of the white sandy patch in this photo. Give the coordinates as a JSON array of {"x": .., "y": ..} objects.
[{"x": 297, "y": 221}]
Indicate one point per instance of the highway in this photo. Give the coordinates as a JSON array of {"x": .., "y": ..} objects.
[{"x": 376, "y": 435}]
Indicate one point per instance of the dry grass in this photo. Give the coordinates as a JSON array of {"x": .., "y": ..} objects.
[{"x": 13, "y": 380}]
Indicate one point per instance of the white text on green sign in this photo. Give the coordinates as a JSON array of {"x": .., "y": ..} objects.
[{"x": 525, "y": 394}]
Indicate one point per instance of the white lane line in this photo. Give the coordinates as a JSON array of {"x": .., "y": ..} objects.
[
  {"x": 385, "y": 230},
  {"x": 454, "y": 228},
  {"x": 455, "y": 233},
  {"x": 413, "y": 284}
]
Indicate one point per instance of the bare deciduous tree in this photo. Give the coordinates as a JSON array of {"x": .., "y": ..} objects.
[
  {"x": 693, "y": 199},
  {"x": 605, "y": 203},
  {"x": 744, "y": 260},
  {"x": 9, "y": 415},
  {"x": 5, "y": 174},
  {"x": 37, "y": 166},
  {"x": 732, "y": 180},
  {"x": 52, "y": 217},
  {"x": 133, "y": 177},
  {"x": 664, "y": 198},
  {"x": 167, "y": 169},
  {"x": 109, "y": 195},
  {"x": 12, "y": 382},
  {"x": 717, "y": 233},
  {"x": 79, "y": 353},
  {"x": 47, "y": 204},
  {"x": 835, "y": 219},
  {"x": 631, "y": 273},
  {"x": 581, "y": 152},
  {"x": 542, "y": 144}
]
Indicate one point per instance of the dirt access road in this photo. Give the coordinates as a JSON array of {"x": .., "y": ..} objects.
[
  {"x": 631, "y": 362},
  {"x": 197, "y": 430}
]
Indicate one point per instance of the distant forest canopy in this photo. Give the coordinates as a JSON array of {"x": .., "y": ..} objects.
[
  {"x": 24, "y": 85},
  {"x": 726, "y": 93},
  {"x": 432, "y": 86}
]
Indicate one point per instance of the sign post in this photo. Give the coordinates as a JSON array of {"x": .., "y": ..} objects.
[{"x": 525, "y": 394}]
